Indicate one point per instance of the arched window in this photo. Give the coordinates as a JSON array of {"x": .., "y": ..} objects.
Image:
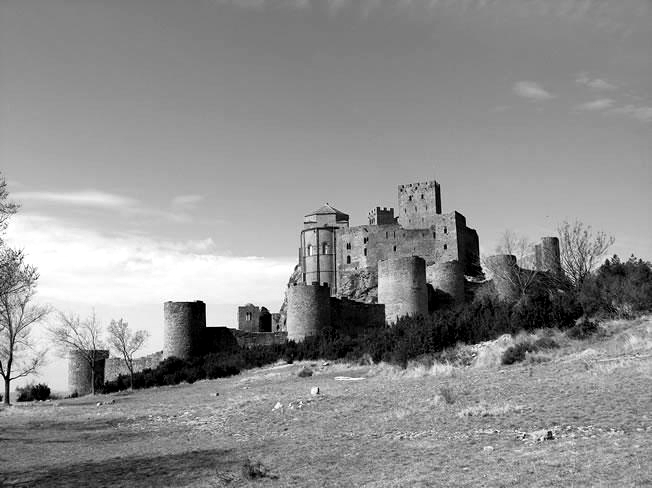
[
  {"x": 410, "y": 198},
  {"x": 309, "y": 253},
  {"x": 422, "y": 196},
  {"x": 445, "y": 246},
  {"x": 365, "y": 251},
  {"x": 366, "y": 239},
  {"x": 248, "y": 316},
  {"x": 324, "y": 248},
  {"x": 445, "y": 230},
  {"x": 348, "y": 260},
  {"x": 348, "y": 245},
  {"x": 394, "y": 248}
]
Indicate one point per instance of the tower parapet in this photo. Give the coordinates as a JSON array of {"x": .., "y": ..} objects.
[
  {"x": 381, "y": 216},
  {"x": 402, "y": 287},
  {"x": 308, "y": 311}
]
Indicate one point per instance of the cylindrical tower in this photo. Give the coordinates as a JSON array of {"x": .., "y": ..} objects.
[
  {"x": 309, "y": 310},
  {"x": 184, "y": 326},
  {"x": 402, "y": 287},
  {"x": 503, "y": 270},
  {"x": 449, "y": 278},
  {"x": 550, "y": 257},
  {"x": 318, "y": 248},
  {"x": 80, "y": 379}
]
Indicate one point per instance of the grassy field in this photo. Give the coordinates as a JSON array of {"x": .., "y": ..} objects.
[{"x": 577, "y": 416}]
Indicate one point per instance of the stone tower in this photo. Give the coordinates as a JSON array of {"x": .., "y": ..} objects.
[
  {"x": 402, "y": 287},
  {"x": 547, "y": 256},
  {"x": 319, "y": 245},
  {"x": 309, "y": 310},
  {"x": 184, "y": 327},
  {"x": 79, "y": 370},
  {"x": 419, "y": 205}
]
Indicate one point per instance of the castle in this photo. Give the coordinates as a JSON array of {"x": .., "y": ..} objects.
[{"x": 352, "y": 278}]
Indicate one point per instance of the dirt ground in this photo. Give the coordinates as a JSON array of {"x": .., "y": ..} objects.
[{"x": 583, "y": 418}]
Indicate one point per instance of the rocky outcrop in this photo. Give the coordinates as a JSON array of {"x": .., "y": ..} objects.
[
  {"x": 295, "y": 277},
  {"x": 361, "y": 286}
]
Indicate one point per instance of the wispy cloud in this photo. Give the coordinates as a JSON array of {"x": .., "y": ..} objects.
[
  {"x": 84, "y": 198},
  {"x": 600, "y": 104},
  {"x": 79, "y": 264},
  {"x": 594, "y": 83},
  {"x": 640, "y": 113},
  {"x": 186, "y": 200},
  {"x": 532, "y": 91}
]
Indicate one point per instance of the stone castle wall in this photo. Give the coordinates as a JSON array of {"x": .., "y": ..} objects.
[
  {"x": 114, "y": 367},
  {"x": 447, "y": 277}
]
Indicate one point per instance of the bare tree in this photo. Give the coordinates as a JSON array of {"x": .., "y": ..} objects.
[
  {"x": 81, "y": 337},
  {"x": 125, "y": 343},
  {"x": 19, "y": 356},
  {"x": 580, "y": 250},
  {"x": 520, "y": 274},
  {"x": 7, "y": 208}
]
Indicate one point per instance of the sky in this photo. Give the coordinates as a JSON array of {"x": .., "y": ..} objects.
[{"x": 165, "y": 150}]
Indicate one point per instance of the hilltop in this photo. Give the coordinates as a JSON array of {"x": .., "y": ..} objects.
[{"x": 578, "y": 415}]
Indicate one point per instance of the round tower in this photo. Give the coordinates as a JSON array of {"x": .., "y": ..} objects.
[
  {"x": 503, "y": 270},
  {"x": 183, "y": 330},
  {"x": 550, "y": 257},
  {"x": 308, "y": 310},
  {"x": 402, "y": 287},
  {"x": 449, "y": 278},
  {"x": 80, "y": 379}
]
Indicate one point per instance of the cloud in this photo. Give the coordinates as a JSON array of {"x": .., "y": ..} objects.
[
  {"x": 84, "y": 198},
  {"x": 84, "y": 266},
  {"x": 186, "y": 200},
  {"x": 600, "y": 104},
  {"x": 532, "y": 91},
  {"x": 594, "y": 83},
  {"x": 640, "y": 113}
]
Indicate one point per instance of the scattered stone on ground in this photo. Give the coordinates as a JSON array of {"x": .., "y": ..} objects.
[
  {"x": 314, "y": 390},
  {"x": 304, "y": 373},
  {"x": 277, "y": 406}
]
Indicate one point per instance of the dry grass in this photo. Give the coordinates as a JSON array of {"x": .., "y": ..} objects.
[{"x": 394, "y": 428}]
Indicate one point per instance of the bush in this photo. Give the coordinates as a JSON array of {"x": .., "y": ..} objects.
[
  {"x": 517, "y": 352},
  {"x": 29, "y": 393},
  {"x": 582, "y": 330},
  {"x": 546, "y": 343}
]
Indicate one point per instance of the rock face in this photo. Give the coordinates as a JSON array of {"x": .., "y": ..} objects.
[
  {"x": 295, "y": 277},
  {"x": 361, "y": 286}
]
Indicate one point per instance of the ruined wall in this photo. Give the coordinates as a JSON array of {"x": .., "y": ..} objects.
[
  {"x": 354, "y": 317},
  {"x": 114, "y": 367},
  {"x": 79, "y": 371},
  {"x": 419, "y": 204},
  {"x": 250, "y": 339},
  {"x": 184, "y": 323},
  {"x": 308, "y": 310},
  {"x": 447, "y": 277},
  {"x": 248, "y": 317},
  {"x": 402, "y": 287}
]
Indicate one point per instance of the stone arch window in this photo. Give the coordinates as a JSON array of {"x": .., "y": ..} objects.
[
  {"x": 445, "y": 230},
  {"x": 348, "y": 245},
  {"x": 445, "y": 246},
  {"x": 386, "y": 235},
  {"x": 365, "y": 251},
  {"x": 394, "y": 248},
  {"x": 366, "y": 239},
  {"x": 309, "y": 253},
  {"x": 324, "y": 248},
  {"x": 248, "y": 316},
  {"x": 434, "y": 235},
  {"x": 422, "y": 196},
  {"x": 410, "y": 198},
  {"x": 348, "y": 260}
]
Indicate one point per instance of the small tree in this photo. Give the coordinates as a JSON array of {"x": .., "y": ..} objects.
[
  {"x": 125, "y": 343},
  {"x": 82, "y": 337},
  {"x": 581, "y": 250},
  {"x": 18, "y": 355}
]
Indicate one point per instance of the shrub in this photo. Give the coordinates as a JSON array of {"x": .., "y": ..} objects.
[
  {"x": 582, "y": 330},
  {"x": 33, "y": 392},
  {"x": 517, "y": 352},
  {"x": 448, "y": 394},
  {"x": 546, "y": 343}
]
